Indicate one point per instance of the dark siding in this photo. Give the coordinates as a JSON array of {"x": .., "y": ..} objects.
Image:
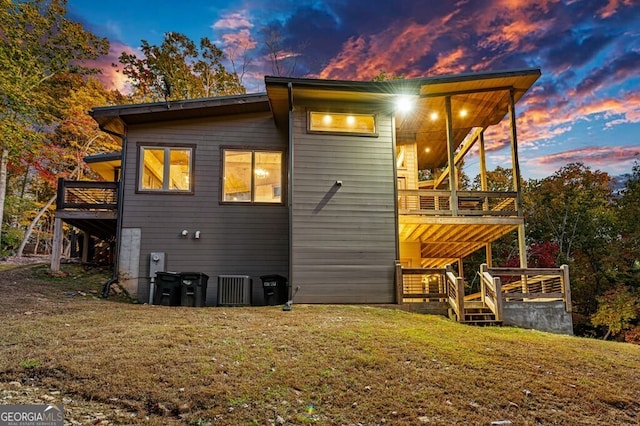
[
  {"x": 343, "y": 238},
  {"x": 235, "y": 240}
]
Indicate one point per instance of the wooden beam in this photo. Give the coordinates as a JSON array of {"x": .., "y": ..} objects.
[
  {"x": 466, "y": 145},
  {"x": 453, "y": 185},
  {"x": 56, "y": 249}
]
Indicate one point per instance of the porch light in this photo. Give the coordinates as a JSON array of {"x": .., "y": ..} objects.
[
  {"x": 427, "y": 149},
  {"x": 463, "y": 113},
  {"x": 404, "y": 104},
  {"x": 433, "y": 116}
]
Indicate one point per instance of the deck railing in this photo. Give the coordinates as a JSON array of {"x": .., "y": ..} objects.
[
  {"x": 470, "y": 203},
  {"x": 532, "y": 284},
  {"x": 455, "y": 293},
  {"x": 423, "y": 284},
  {"x": 491, "y": 292},
  {"x": 87, "y": 195}
]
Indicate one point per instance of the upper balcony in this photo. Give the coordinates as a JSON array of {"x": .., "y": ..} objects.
[{"x": 89, "y": 206}]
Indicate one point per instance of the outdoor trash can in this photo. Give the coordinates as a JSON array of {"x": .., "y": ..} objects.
[
  {"x": 167, "y": 290},
  {"x": 193, "y": 288},
  {"x": 275, "y": 289}
]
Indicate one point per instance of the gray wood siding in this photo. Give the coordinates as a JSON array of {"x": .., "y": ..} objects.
[
  {"x": 343, "y": 237},
  {"x": 235, "y": 239}
]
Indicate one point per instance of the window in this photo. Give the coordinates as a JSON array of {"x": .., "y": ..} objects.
[
  {"x": 165, "y": 169},
  {"x": 252, "y": 176},
  {"x": 334, "y": 122}
]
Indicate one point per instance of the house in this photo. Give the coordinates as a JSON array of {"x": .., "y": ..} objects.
[{"x": 317, "y": 181}]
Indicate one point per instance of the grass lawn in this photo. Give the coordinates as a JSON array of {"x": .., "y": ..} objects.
[{"x": 113, "y": 362}]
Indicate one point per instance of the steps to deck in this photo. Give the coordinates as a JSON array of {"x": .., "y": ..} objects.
[{"x": 478, "y": 314}]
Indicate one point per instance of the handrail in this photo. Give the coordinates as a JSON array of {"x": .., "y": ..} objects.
[
  {"x": 470, "y": 203},
  {"x": 87, "y": 195},
  {"x": 455, "y": 293},
  {"x": 491, "y": 292},
  {"x": 533, "y": 283}
]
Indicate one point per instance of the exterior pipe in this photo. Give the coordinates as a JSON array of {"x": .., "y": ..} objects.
[{"x": 116, "y": 260}]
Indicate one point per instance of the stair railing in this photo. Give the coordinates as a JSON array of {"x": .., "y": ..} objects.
[
  {"x": 455, "y": 293},
  {"x": 491, "y": 291}
]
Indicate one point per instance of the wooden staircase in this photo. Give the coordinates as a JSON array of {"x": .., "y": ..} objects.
[{"x": 477, "y": 313}]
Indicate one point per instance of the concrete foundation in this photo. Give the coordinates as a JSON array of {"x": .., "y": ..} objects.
[
  {"x": 544, "y": 316},
  {"x": 129, "y": 261}
]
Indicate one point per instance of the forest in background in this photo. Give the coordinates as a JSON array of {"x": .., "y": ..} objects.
[{"x": 581, "y": 217}]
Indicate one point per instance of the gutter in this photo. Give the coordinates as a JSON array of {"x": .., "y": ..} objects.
[{"x": 116, "y": 260}]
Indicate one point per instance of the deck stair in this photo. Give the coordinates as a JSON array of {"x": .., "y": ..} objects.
[{"x": 477, "y": 313}]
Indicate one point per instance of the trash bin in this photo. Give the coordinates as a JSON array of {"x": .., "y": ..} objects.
[
  {"x": 275, "y": 289},
  {"x": 167, "y": 290},
  {"x": 193, "y": 288}
]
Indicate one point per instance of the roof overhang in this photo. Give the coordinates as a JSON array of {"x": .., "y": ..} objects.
[
  {"x": 115, "y": 118},
  {"x": 104, "y": 164},
  {"x": 485, "y": 95}
]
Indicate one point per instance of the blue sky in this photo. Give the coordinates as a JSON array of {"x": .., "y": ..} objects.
[{"x": 585, "y": 107}]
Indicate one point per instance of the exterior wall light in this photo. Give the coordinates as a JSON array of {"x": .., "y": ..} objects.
[{"x": 404, "y": 104}]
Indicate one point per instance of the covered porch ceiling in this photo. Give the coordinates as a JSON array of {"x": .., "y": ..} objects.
[
  {"x": 444, "y": 240},
  {"x": 477, "y": 100}
]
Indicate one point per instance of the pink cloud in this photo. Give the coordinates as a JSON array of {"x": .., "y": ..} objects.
[
  {"x": 110, "y": 77},
  {"x": 612, "y": 6},
  {"x": 233, "y": 21}
]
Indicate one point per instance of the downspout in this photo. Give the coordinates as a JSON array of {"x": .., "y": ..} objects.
[
  {"x": 116, "y": 260},
  {"x": 395, "y": 210},
  {"x": 290, "y": 187}
]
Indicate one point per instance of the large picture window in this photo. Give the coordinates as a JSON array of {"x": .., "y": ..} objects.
[
  {"x": 252, "y": 176},
  {"x": 166, "y": 169}
]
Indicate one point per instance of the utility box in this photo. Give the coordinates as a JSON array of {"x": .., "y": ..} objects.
[
  {"x": 167, "y": 289},
  {"x": 276, "y": 291},
  {"x": 193, "y": 288},
  {"x": 234, "y": 290}
]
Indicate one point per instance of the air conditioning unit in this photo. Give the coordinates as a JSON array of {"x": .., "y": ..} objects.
[{"x": 234, "y": 290}]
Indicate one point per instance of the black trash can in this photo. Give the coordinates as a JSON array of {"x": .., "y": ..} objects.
[
  {"x": 167, "y": 291},
  {"x": 193, "y": 288},
  {"x": 276, "y": 291}
]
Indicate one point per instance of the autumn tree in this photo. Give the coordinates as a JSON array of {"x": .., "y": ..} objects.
[
  {"x": 178, "y": 69},
  {"x": 38, "y": 45},
  {"x": 617, "y": 308},
  {"x": 575, "y": 210}
]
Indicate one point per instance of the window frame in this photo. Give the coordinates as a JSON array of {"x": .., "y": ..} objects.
[
  {"x": 167, "y": 147},
  {"x": 253, "y": 150},
  {"x": 374, "y": 115}
]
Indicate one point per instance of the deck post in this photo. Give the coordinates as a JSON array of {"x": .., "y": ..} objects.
[
  {"x": 56, "y": 249},
  {"x": 453, "y": 185},
  {"x": 86, "y": 240},
  {"x": 399, "y": 282},
  {"x": 566, "y": 287}
]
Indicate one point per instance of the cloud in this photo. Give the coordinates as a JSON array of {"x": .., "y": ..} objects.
[
  {"x": 233, "y": 21},
  {"x": 612, "y": 6},
  {"x": 110, "y": 77},
  {"x": 618, "y": 158}
]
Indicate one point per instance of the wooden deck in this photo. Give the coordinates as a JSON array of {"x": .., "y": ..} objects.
[
  {"x": 448, "y": 233},
  {"x": 89, "y": 206},
  {"x": 438, "y": 285}
]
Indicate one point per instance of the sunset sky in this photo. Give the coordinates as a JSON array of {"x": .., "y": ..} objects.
[{"x": 585, "y": 107}]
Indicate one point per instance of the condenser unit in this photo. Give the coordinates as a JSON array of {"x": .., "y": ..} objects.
[{"x": 234, "y": 290}]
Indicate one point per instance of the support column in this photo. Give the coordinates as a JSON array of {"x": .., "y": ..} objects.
[
  {"x": 453, "y": 185},
  {"x": 86, "y": 240},
  {"x": 522, "y": 246},
  {"x": 484, "y": 186},
  {"x": 56, "y": 249}
]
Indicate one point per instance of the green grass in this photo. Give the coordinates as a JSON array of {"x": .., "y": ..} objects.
[{"x": 318, "y": 364}]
